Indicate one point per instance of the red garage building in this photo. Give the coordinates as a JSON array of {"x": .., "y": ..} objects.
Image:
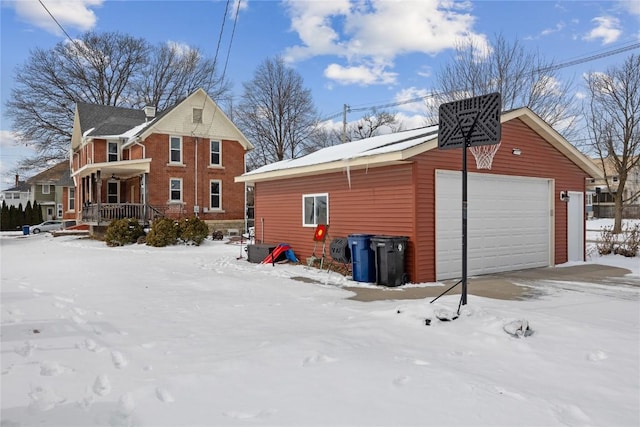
[{"x": 401, "y": 184}]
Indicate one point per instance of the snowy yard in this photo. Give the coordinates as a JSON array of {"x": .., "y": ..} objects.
[{"x": 193, "y": 336}]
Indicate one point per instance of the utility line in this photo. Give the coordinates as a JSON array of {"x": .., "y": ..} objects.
[
  {"x": 56, "y": 21},
  {"x": 539, "y": 70}
]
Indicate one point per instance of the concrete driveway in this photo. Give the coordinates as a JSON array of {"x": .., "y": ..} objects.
[{"x": 512, "y": 285}]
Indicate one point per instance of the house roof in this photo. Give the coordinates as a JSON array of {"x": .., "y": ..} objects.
[
  {"x": 59, "y": 174},
  {"x": 22, "y": 186},
  {"x": 106, "y": 120},
  {"x": 132, "y": 125},
  {"x": 397, "y": 148},
  {"x": 215, "y": 122}
]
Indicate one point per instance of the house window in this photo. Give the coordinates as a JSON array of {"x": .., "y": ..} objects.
[
  {"x": 215, "y": 153},
  {"x": 112, "y": 152},
  {"x": 615, "y": 178},
  {"x": 175, "y": 150},
  {"x": 112, "y": 191},
  {"x": 175, "y": 190},
  {"x": 197, "y": 115},
  {"x": 315, "y": 209},
  {"x": 46, "y": 189},
  {"x": 72, "y": 199},
  {"x": 215, "y": 195}
]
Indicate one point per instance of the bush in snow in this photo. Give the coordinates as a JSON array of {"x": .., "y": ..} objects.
[
  {"x": 164, "y": 232},
  {"x": 631, "y": 241},
  {"x": 627, "y": 243},
  {"x": 123, "y": 232},
  {"x": 193, "y": 230}
]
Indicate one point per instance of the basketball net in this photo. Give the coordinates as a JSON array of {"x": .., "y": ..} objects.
[{"x": 484, "y": 154}]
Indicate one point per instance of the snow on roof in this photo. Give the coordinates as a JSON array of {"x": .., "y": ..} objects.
[{"x": 375, "y": 145}]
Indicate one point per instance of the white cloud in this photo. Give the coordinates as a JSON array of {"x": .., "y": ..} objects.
[
  {"x": 410, "y": 94},
  {"x": 547, "y": 31},
  {"x": 376, "y": 31},
  {"x": 607, "y": 28},
  {"x": 8, "y": 139},
  {"x": 238, "y": 5},
  {"x": 361, "y": 75},
  {"x": 76, "y": 14},
  {"x": 632, "y": 7}
]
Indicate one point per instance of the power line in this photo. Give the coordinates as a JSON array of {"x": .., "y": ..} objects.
[
  {"x": 58, "y": 23},
  {"x": 538, "y": 70}
]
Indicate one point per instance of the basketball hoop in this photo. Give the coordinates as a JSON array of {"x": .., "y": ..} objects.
[{"x": 484, "y": 154}]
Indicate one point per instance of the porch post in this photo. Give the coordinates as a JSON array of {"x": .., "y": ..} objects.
[
  {"x": 99, "y": 195},
  {"x": 144, "y": 194}
]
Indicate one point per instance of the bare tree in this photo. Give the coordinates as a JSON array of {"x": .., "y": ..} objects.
[
  {"x": 612, "y": 112},
  {"x": 524, "y": 79},
  {"x": 173, "y": 72},
  {"x": 276, "y": 113},
  {"x": 371, "y": 124},
  {"x": 99, "y": 68}
]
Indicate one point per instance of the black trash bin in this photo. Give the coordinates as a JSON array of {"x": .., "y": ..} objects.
[{"x": 389, "y": 259}]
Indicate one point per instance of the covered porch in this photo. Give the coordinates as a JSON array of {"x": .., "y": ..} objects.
[{"x": 114, "y": 190}]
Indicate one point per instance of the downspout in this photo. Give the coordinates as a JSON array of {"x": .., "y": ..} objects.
[
  {"x": 144, "y": 148},
  {"x": 195, "y": 194}
]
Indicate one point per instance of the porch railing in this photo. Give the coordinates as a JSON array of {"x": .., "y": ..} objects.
[{"x": 107, "y": 212}]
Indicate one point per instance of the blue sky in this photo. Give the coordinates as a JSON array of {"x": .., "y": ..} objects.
[{"x": 360, "y": 52}]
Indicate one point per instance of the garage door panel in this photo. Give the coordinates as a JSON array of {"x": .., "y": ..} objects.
[{"x": 508, "y": 223}]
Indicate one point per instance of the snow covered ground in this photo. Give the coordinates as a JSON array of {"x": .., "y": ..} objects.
[{"x": 193, "y": 336}]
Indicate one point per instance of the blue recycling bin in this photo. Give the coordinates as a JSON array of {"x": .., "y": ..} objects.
[
  {"x": 362, "y": 258},
  {"x": 25, "y": 230}
]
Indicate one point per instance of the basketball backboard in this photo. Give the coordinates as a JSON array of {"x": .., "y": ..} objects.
[{"x": 475, "y": 121}]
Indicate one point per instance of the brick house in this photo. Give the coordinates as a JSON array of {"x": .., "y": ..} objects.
[
  {"x": 527, "y": 211},
  {"x": 136, "y": 164}
]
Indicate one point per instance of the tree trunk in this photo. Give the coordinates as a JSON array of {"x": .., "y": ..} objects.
[{"x": 617, "y": 202}]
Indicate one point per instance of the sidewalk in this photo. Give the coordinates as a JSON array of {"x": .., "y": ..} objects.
[{"x": 512, "y": 285}]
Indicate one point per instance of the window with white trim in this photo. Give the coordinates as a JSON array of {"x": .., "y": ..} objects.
[
  {"x": 175, "y": 189},
  {"x": 215, "y": 194},
  {"x": 46, "y": 189},
  {"x": 72, "y": 199},
  {"x": 175, "y": 149},
  {"x": 215, "y": 148},
  {"x": 112, "y": 152},
  {"x": 315, "y": 209}
]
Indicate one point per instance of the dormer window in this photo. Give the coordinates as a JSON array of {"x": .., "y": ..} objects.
[{"x": 112, "y": 152}]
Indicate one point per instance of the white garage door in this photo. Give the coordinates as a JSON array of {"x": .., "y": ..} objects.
[{"x": 508, "y": 223}]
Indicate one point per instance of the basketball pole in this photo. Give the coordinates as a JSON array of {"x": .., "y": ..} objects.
[{"x": 467, "y": 143}]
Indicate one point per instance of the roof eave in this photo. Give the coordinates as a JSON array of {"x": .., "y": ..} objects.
[{"x": 364, "y": 162}]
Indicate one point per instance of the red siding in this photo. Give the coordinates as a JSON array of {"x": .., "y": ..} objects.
[
  {"x": 400, "y": 200},
  {"x": 379, "y": 201}
]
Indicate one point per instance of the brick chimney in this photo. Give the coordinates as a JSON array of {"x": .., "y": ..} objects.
[{"x": 17, "y": 179}]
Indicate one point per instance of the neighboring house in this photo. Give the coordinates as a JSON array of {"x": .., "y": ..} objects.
[
  {"x": 182, "y": 162},
  {"x": 603, "y": 206},
  {"x": 16, "y": 195},
  {"x": 54, "y": 191},
  {"x": 403, "y": 185}
]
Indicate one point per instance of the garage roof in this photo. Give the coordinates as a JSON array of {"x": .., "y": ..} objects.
[{"x": 396, "y": 148}]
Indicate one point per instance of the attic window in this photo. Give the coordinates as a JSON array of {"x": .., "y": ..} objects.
[{"x": 197, "y": 115}]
